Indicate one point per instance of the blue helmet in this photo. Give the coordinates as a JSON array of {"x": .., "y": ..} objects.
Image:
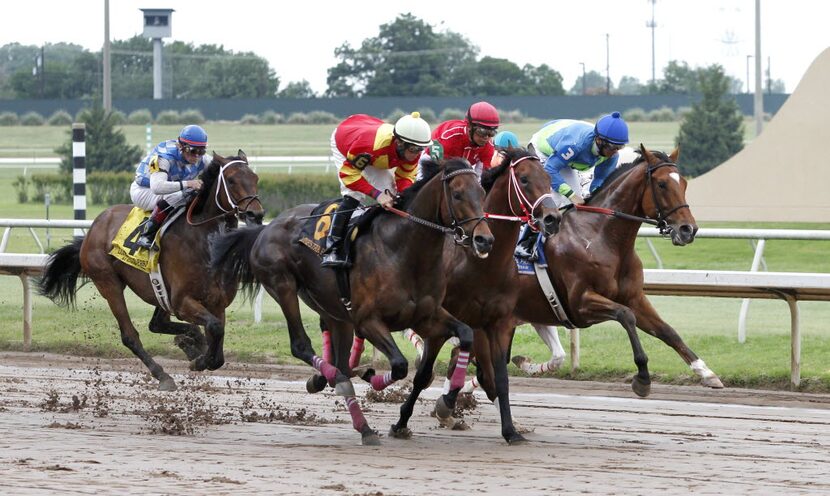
[
  {"x": 612, "y": 129},
  {"x": 193, "y": 135},
  {"x": 506, "y": 139}
]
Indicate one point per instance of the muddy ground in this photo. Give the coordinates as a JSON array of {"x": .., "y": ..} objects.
[{"x": 73, "y": 425}]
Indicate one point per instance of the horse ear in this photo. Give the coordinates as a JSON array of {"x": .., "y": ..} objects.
[
  {"x": 218, "y": 157},
  {"x": 241, "y": 155},
  {"x": 675, "y": 155},
  {"x": 646, "y": 154}
]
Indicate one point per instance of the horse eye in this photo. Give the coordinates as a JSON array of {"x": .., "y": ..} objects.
[
  {"x": 661, "y": 184},
  {"x": 456, "y": 195},
  {"x": 523, "y": 180}
]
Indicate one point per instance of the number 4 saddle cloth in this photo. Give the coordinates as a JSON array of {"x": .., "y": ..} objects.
[{"x": 124, "y": 245}]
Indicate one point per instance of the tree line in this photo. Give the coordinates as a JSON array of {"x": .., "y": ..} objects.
[{"x": 407, "y": 57}]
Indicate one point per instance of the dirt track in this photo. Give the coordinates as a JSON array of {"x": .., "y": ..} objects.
[{"x": 253, "y": 429}]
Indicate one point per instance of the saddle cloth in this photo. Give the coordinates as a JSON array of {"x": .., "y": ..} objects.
[
  {"x": 316, "y": 228},
  {"x": 124, "y": 245},
  {"x": 525, "y": 266}
]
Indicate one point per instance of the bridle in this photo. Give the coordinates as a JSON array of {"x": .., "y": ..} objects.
[
  {"x": 234, "y": 209},
  {"x": 456, "y": 227},
  {"x": 525, "y": 204},
  {"x": 662, "y": 217}
]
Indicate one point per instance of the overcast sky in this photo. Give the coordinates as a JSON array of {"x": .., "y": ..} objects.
[{"x": 299, "y": 41}]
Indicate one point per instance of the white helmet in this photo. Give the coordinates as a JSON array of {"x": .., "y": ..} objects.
[{"x": 412, "y": 129}]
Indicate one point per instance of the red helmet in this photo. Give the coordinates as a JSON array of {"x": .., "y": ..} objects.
[{"x": 483, "y": 114}]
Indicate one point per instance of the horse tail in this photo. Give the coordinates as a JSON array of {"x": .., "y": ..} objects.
[
  {"x": 59, "y": 281},
  {"x": 230, "y": 257}
]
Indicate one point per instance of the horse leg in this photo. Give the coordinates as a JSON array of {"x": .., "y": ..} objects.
[
  {"x": 649, "y": 321},
  {"x": 500, "y": 337},
  {"x": 421, "y": 381},
  {"x": 193, "y": 311},
  {"x": 113, "y": 292},
  {"x": 284, "y": 291},
  {"x": 597, "y": 308},
  {"x": 378, "y": 334},
  {"x": 445, "y": 404},
  {"x": 550, "y": 336},
  {"x": 188, "y": 336}
]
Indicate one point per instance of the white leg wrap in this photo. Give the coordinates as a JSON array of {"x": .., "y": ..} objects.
[{"x": 700, "y": 368}]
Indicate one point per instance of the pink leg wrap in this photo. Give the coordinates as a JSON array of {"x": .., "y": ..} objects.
[
  {"x": 325, "y": 368},
  {"x": 379, "y": 382},
  {"x": 357, "y": 350},
  {"x": 327, "y": 346},
  {"x": 358, "y": 420},
  {"x": 460, "y": 372}
]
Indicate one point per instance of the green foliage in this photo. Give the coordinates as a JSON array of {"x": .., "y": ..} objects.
[
  {"x": 635, "y": 114},
  {"x": 103, "y": 188},
  {"x": 109, "y": 188},
  {"x": 106, "y": 147},
  {"x": 9, "y": 119},
  {"x": 60, "y": 118},
  {"x": 449, "y": 114},
  {"x": 427, "y": 114},
  {"x": 713, "y": 131},
  {"x": 21, "y": 188},
  {"x": 595, "y": 84},
  {"x": 297, "y": 89},
  {"x": 140, "y": 116},
  {"x": 59, "y": 187},
  {"x": 663, "y": 114},
  {"x": 249, "y": 119},
  {"x": 298, "y": 118},
  {"x": 119, "y": 118},
  {"x": 279, "y": 192},
  {"x": 71, "y": 71},
  {"x": 321, "y": 117},
  {"x": 511, "y": 116},
  {"x": 192, "y": 116},
  {"x": 271, "y": 117},
  {"x": 395, "y": 115},
  {"x": 32, "y": 119},
  {"x": 169, "y": 117}
]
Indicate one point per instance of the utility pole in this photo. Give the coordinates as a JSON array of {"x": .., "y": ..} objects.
[
  {"x": 652, "y": 24},
  {"x": 584, "y": 92},
  {"x": 608, "y": 64},
  {"x": 769, "y": 76},
  {"x": 748, "y": 90},
  {"x": 759, "y": 91},
  {"x": 107, "y": 86}
]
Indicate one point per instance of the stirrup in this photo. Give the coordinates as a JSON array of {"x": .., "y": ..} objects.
[
  {"x": 145, "y": 242},
  {"x": 332, "y": 260}
]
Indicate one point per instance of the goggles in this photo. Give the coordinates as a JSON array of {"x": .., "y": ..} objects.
[
  {"x": 413, "y": 148},
  {"x": 612, "y": 146},
  {"x": 195, "y": 150},
  {"x": 484, "y": 132}
]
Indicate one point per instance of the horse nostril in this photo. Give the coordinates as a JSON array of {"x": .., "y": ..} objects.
[{"x": 484, "y": 243}]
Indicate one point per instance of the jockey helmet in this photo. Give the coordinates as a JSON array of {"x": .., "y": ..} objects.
[
  {"x": 413, "y": 129},
  {"x": 193, "y": 135},
  {"x": 612, "y": 129},
  {"x": 506, "y": 139},
  {"x": 483, "y": 114}
]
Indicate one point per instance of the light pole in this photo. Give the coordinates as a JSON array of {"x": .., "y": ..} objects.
[
  {"x": 607, "y": 65},
  {"x": 747, "y": 73},
  {"x": 583, "y": 78}
]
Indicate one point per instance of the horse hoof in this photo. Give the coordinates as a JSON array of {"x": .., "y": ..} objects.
[
  {"x": 344, "y": 388},
  {"x": 640, "y": 388},
  {"x": 519, "y": 360},
  {"x": 370, "y": 439},
  {"x": 315, "y": 384},
  {"x": 713, "y": 382},
  {"x": 515, "y": 439},
  {"x": 442, "y": 411},
  {"x": 167, "y": 384},
  {"x": 217, "y": 365},
  {"x": 365, "y": 372},
  {"x": 198, "y": 364},
  {"x": 188, "y": 346},
  {"x": 400, "y": 433}
]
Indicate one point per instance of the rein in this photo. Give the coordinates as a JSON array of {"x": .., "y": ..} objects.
[
  {"x": 524, "y": 202},
  {"x": 456, "y": 228},
  {"x": 234, "y": 210},
  {"x": 661, "y": 221}
]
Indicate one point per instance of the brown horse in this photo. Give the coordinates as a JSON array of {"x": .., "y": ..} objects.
[
  {"x": 483, "y": 292},
  {"x": 596, "y": 271},
  {"x": 229, "y": 191},
  {"x": 398, "y": 279}
]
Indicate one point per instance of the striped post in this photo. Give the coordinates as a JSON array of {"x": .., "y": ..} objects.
[
  {"x": 149, "y": 137},
  {"x": 79, "y": 173}
]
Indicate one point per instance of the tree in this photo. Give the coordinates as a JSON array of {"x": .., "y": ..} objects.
[
  {"x": 297, "y": 89},
  {"x": 713, "y": 130},
  {"x": 595, "y": 84},
  {"x": 106, "y": 147},
  {"x": 542, "y": 81},
  {"x": 630, "y": 86}
]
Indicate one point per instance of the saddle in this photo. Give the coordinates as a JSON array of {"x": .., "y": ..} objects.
[{"x": 315, "y": 230}]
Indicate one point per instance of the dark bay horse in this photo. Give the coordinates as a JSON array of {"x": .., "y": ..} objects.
[
  {"x": 596, "y": 271},
  {"x": 483, "y": 292},
  {"x": 398, "y": 280},
  {"x": 229, "y": 191}
]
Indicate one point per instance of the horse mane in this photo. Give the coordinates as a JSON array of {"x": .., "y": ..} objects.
[
  {"x": 488, "y": 178},
  {"x": 429, "y": 168},
  {"x": 624, "y": 169},
  {"x": 208, "y": 177}
]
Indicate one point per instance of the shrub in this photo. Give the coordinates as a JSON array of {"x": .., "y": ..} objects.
[
  {"x": 279, "y": 192},
  {"x": 635, "y": 114},
  {"x": 21, "y": 187},
  {"x": 271, "y": 117},
  {"x": 249, "y": 119},
  {"x": 682, "y": 112},
  {"x": 450, "y": 114},
  {"x": 428, "y": 115},
  {"x": 168, "y": 117},
  {"x": 297, "y": 118},
  {"x": 663, "y": 114},
  {"x": 321, "y": 117},
  {"x": 119, "y": 118},
  {"x": 140, "y": 116},
  {"x": 59, "y": 187},
  {"x": 8, "y": 119},
  {"x": 109, "y": 188},
  {"x": 32, "y": 119},
  {"x": 511, "y": 116},
  {"x": 395, "y": 115},
  {"x": 60, "y": 118},
  {"x": 191, "y": 116}
]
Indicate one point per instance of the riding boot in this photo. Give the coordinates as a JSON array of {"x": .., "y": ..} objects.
[
  {"x": 152, "y": 225},
  {"x": 334, "y": 241}
]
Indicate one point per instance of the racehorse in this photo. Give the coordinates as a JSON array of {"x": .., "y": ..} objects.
[
  {"x": 596, "y": 271},
  {"x": 483, "y": 292},
  {"x": 398, "y": 279},
  {"x": 229, "y": 192}
]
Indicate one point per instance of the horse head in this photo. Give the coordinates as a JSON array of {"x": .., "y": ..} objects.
[
  {"x": 527, "y": 190},
  {"x": 233, "y": 186},
  {"x": 665, "y": 196}
]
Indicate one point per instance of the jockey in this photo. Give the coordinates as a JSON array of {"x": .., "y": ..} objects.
[
  {"x": 368, "y": 150},
  {"x": 566, "y": 146},
  {"x": 468, "y": 138},
  {"x": 501, "y": 142},
  {"x": 164, "y": 174}
]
